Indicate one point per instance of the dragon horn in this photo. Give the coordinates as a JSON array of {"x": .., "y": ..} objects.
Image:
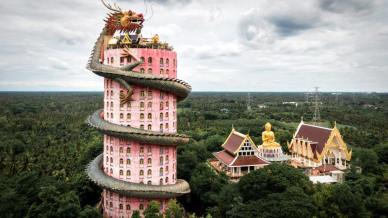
[{"x": 110, "y": 7}]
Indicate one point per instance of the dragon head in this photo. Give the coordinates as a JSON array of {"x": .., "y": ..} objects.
[{"x": 124, "y": 21}]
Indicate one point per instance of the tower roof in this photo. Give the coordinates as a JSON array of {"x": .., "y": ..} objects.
[{"x": 233, "y": 142}]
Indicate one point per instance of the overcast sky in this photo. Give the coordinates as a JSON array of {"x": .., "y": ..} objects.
[{"x": 258, "y": 45}]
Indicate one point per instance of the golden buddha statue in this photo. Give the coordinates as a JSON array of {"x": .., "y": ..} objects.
[{"x": 268, "y": 137}]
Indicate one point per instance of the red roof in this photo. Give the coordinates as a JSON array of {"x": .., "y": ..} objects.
[
  {"x": 318, "y": 135},
  {"x": 234, "y": 141},
  {"x": 248, "y": 160},
  {"x": 224, "y": 157},
  {"x": 326, "y": 168}
]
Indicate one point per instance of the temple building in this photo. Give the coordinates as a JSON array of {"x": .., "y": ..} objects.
[
  {"x": 320, "y": 150},
  {"x": 239, "y": 157},
  {"x": 139, "y": 118},
  {"x": 270, "y": 150}
]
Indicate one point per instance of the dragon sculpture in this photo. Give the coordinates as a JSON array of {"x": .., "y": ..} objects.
[{"x": 131, "y": 22}]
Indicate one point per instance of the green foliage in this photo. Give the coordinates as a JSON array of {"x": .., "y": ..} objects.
[
  {"x": 45, "y": 146},
  {"x": 174, "y": 209},
  {"x": 153, "y": 210},
  {"x": 274, "y": 178},
  {"x": 135, "y": 214}
]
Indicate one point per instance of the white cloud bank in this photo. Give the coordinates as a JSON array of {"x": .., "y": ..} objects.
[{"x": 255, "y": 45}]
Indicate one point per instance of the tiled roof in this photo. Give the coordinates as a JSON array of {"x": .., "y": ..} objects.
[
  {"x": 248, "y": 161},
  {"x": 326, "y": 168},
  {"x": 316, "y": 134},
  {"x": 224, "y": 157},
  {"x": 234, "y": 141}
]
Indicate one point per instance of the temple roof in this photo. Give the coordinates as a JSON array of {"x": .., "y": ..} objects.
[
  {"x": 233, "y": 142},
  {"x": 325, "y": 168},
  {"x": 248, "y": 161},
  {"x": 318, "y": 136},
  {"x": 224, "y": 156}
]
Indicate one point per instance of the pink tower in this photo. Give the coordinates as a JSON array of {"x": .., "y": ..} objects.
[{"x": 139, "y": 119}]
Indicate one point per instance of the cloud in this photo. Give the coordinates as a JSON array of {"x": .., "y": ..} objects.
[
  {"x": 256, "y": 45},
  {"x": 350, "y": 6}
]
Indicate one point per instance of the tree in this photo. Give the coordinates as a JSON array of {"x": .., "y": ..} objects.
[
  {"x": 153, "y": 210},
  {"x": 205, "y": 185},
  {"x": 135, "y": 214},
  {"x": 174, "y": 209},
  {"x": 367, "y": 159},
  {"x": 89, "y": 212},
  {"x": 274, "y": 178}
]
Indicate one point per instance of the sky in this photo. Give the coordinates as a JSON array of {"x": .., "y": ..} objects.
[{"x": 248, "y": 45}]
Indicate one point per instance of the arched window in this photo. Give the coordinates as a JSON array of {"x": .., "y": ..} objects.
[
  {"x": 166, "y": 125},
  {"x": 141, "y": 116},
  {"x": 111, "y": 148},
  {"x": 128, "y": 173},
  {"x": 166, "y": 170},
  {"x": 161, "y": 127},
  {"x": 111, "y": 115},
  {"x": 141, "y": 173},
  {"x": 121, "y": 172},
  {"x": 121, "y": 161},
  {"x": 167, "y": 62},
  {"x": 161, "y": 71},
  {"x": 142, "y": 93},
  {"x": 128, "y": 161},
  {"x": 167, "y": 104},
  {"x": 141, "y": 149},
  {"x": 141, "y": 70},
  {"x": 107, "y": 115},
  {"x": 161, "y": 171},
  {"x": 149, "y": 161},
  {"x": 149, "y": 182},
  {"x": 128, "y": 150},
  {"x": 161, "y": 61},
  {"x": 149, "y": 149},
  {"x": 141, "y": 161},
  {"x": 161, "y": 116},
  {"x": 120, "y": 206},
  {"x": 111, "y": 204},
  {"x": 107, "y": 159},
  {"x": 149, "y": 70},
  {"x": 149, "y": 105},
  {"x": 111, "y": 171},
  {"x": 161, "y": 160},
  {"x": 111, "y": 60},
  {"x": 149, "y": 93},
  {"x": 141, "y": 105},
  {"x": 121, "y": 150},
  {"x": 149, "y": 172},
  {"x": 166, "y": 158},
  {"x": 141, "y": 207},
  {"x": 128, "y": 116},
  {"x": 161, "y": 181},
  {"x": 149, "y": 116},
  {"x": 128, "y": 207},
  {"x": 149, "y": 60},
  {"x": 121, "y": 116},
  {"x": 142, "y": 59},
  {"x": 161, "y": 105},
  {"x": 111, "y": 104},
  {"x": 166, "y": 116},
  {"x": 166, "y": 180},
  {"x": 141, "y": 126},
  {"x": 111, "y": 160},
  {"x": 167, "y": 72},
  {"x": 149, "y": 127}
]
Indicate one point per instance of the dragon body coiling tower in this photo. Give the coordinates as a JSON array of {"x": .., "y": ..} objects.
[{"x": 139, "y": 119}]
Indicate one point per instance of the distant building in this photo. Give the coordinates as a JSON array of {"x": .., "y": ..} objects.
[
  {"x": 321, "y": 151},
  {"x": 239, "y": 157}
]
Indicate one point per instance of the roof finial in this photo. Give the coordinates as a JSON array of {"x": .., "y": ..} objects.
[
  {"x": 335, "y": 124},
  {"x": 232, "y": 127},
  {"x": 301, "y": 119}
]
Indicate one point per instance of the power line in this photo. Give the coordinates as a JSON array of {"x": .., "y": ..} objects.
[{"x": 317, "y": 116}]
